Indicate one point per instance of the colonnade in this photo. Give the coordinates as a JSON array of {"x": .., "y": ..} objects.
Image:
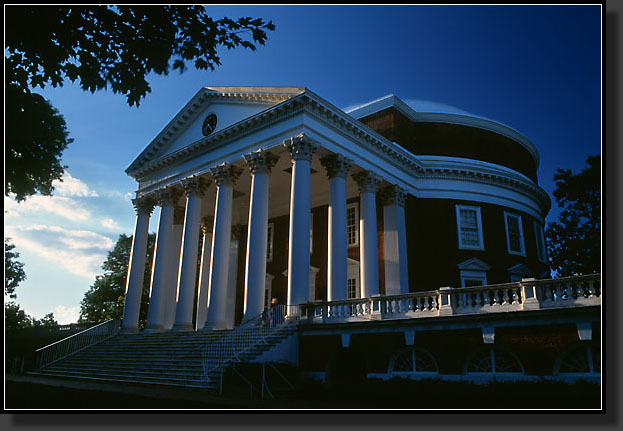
[{"x": 174, "y": 268}]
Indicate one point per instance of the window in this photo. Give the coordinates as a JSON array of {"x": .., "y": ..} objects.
[
  {"x": 469, "y": 227},
  {"x": 352, "y": 224},
  {"x": 473, "y": 272},
  {"x": 311, "y": 232},
  {"x": 269, "y": 242},
  {"x": 514, "y": 234},
  {"x": 581, "y": 358},
  {"x": 351, "y": 288},
  {"x": 541, "y": 252},
  {"x": 492, "y": 360},
  {"x": 473, "y": 278},
  {"x": 411, "y": 361}
]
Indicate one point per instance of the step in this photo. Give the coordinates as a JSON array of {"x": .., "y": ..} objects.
[{"x": 194, "y": 384}]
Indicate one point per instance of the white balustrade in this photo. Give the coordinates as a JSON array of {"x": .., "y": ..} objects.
[{"x": 518, "y": 296}]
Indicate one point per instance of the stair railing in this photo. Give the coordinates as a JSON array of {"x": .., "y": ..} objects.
[
  {"x": 228, "y": 349},
  {"x": 61, "y": 349}
]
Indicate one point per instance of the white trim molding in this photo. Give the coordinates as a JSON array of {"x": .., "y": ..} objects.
[
  {"x": 459, "y": 227},
  {"x": 519, "y": 234}
]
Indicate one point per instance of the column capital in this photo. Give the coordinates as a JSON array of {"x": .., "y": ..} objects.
[
  {"x": 207, "y": 224},
  {"x": 301, "y": 147},
  {"x": 195, "y": 185},
  {"x": 167, "y": 195},
  {"x": 336, "y": 165},
  {"x": 225, "y": 174},
  {"x": 393, "y": 195},
  {"x": 260, "y": 161},
  {"x": 367, "y": 181},
  {"x": 143, "y": 204}
]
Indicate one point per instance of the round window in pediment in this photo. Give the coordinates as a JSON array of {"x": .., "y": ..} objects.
[{"x": 209, "y": 124}]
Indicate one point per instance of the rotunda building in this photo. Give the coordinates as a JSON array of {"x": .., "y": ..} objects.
[{"x": 294, "y": 200}]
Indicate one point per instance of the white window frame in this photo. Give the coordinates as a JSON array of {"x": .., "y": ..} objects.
[
  {"x": 348, "y": 296},
  {"x": 522, "y": 245},
  {"x": 481, "y": 245},
  {"x": 270, "y": 239},
  {"x": 354, "y": 205},
  {"x": 541, "y": 251},
  {"x": 311, "y": 233},
  {"x": 474, "y": 276}
]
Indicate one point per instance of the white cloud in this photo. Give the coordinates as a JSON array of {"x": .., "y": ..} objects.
[
  {"x": 65, "y": 315},
  {"x": 70, "y": 186},
  {"x": 79, "y": 252},
  {"x": 111, "y": 224},
  {"x": 59, "y": 205}
]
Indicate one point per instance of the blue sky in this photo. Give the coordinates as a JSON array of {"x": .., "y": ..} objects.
[{"x": 534, "y": 68}]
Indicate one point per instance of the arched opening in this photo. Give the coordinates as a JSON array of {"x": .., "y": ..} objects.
[{"x": 412, "y": 362}]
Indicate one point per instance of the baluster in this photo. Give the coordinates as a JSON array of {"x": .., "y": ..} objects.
[
  {"x": 435, "y": 302},
  {"x": 505, "y": 299},
  {"x": 592, "y": 291},
  {"x": 514, "y": 295},
  {"x": 484, "y": 298},
  {"x": 410, "y": 304}
]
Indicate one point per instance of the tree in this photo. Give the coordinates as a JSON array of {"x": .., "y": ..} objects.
[
  {"x": 574, "y": 241},
  {"x": 105, "y": 298},
  {"x": 101, "y": 47},
  {"x": 16, "y": 318},
  {"x": 13, "y": 269}
]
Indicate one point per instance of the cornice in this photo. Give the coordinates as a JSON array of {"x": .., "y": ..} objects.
[{"x": 493, "y": 178}]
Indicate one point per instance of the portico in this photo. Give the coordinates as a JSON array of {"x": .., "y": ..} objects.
[{"x": 286, "y": 180}]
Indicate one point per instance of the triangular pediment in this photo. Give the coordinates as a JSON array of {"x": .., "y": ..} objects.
[
  {"x": 520, "y": 270},
  {"x": 474, "y": 264},
  {"x": 215, "y": 107}
]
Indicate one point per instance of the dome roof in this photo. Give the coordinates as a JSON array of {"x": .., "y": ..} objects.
[
  {"x": 419, "y": 105},
  {"x": 428, "y": 111}
]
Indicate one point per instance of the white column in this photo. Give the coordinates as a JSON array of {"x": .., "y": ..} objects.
[
  {"x": 136, "y": 271},
  {"x": 225, "y": 176},
  {"x": 175, "y": 245},
  {"x": 395, "y": 241},
  {"x": 260, "y": 163},
  {"x": 367, "y": 182},
  {"x": 207, "y": 223},
  {"x": 337, "y": 168},
  {"x": 194, "y": 187},
  {"x": 301, "y": 150},
  {"x": 155, "y": 313},
  {"x": 232, "y": 281}
]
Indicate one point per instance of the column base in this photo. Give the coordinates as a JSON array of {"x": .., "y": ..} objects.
[
  {"x": 215, "y": 326},
  {"x": 129, "y": 330},
  {"x": 154, "y": 328},
  {"x": 182, "y": 327}
]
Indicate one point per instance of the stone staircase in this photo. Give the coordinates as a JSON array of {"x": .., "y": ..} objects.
[{"x": 179, "y": 359}]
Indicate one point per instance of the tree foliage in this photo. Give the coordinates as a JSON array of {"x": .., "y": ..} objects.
[
  {"x": 16, "y": 318},
  {"x": 105, "y": 298},
  {"x": 574, "y": 241},
  {"x": 13, "y": 269},
  {"x": 100, "y": 47}
]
